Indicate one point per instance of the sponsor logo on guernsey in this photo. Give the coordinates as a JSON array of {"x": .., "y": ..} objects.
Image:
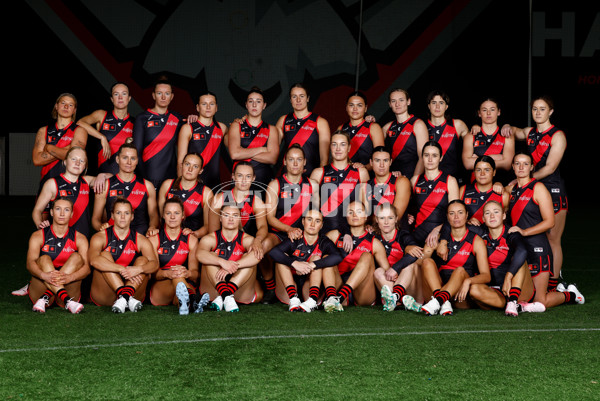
[{"x": 137, "y": 192}]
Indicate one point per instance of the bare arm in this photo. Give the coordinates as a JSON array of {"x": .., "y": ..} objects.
[
  {"x": 183, "y": 141},
  {"x": 324, "y": 140}
]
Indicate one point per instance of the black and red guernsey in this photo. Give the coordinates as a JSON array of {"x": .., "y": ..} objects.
[
  {"x": 60, "y": 138},
  {"x": 538, "y": 146},
  {"x": 290, "y": 251},
  {"x": 136, "y": 193},
  {"x": 116, "y": 131},
  {"x": 361, "y": 244},
  {"x": 79, "y": 193},
  {"x": 59, "y": 249},
  {"x": 488, "y": 144},
  {"x": 172, "y": 252},
  {"x": 447, "y": 137},
  {"x": 460, "y": 253},
  {"x": 380, "y": 193},
  {"x": 361, "y": 143},
  {"x": 123, "y": 251},
  {"x": 401, "y": 141},
  {"x": 304, "y": 132},
  {"x": 294, "y": 200},
  {"x": 506, "y": 254},
  {"x": 430, "y": 200},
  {"x": 256, "y": 137},
  {"x": 155, "y": 137},
  {"x": 230, "y": 250},
  {"x": 475, "y": 200},
  {"x": 193, "y": 204},
  {"x": 246, "y": 207},
  {"x": 338, "y": 189},
  {"x": 207, "y": 141}
]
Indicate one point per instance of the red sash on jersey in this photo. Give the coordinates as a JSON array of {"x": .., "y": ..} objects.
[
  {"x": 396, "y": 251},
  {"x": 433, "y": 199},
  {"x": 162, "y": 139},
  {"x": 64, "y": 141},
  {"x": 118, "y": 140},
  {"x": 497, "y": 145},
  {"x": 460, "y": 257},
  {"x": 401, "y": 140},
  {"x": 447, "y": 136},
  {"x": 518, "y": 207},
  {"x": 299, "y": 207},
  {"x": 193, "y": 202},
  {"x": 68, "y": 248},
  {"x": 500, "y": 253},
  {"x": 216, "y": 137},
  {"x": 343, "y": 190},
  {"x": 542, "y": 146},
  {"x": 364, "y": 246},
  {"x": 304, "y": 132},
  {"x": 127, "y": 254},
  {"x": 359, "y": 138},
  {"x": 81, "y": 203}
]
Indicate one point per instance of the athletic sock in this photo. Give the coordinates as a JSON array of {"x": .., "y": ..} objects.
[
  {"x": 291, "y": 291},
  {"x": 233, "y": 287},
  {"x": 570, "y": 297},
  {"x": 552, "y": 283},
  {"x": 344, "y": 292},
  {"x": 399, "y": 290},
  {"x": 62, "y": 295},
  {"x": 126, "y": 292},
  {"x": 270, "y": 284},
  {"x": 330, "y": 292},
  {"x": 223, "y": 289},
  {"x": 313, "y": 292},
  {"x": 442, "y": 296},
  {"x": 47, "y": 295},
  {"x": 514, "y": 293}
]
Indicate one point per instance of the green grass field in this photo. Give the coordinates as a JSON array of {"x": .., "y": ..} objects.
[{"x": 267, "y": 353}]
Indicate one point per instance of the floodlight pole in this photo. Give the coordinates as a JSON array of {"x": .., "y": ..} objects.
[{"x": 357, "y": 72}]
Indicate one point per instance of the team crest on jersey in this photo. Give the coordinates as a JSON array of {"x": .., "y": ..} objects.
[
  {"x": 151, "y": 124},
  {"x": 49, "y": 248},
  {"x": 163, "y": 251},
  {"x": 108, "y": 127},
  {"x": 199, "y": 137},
  {"x": 116, "y": 192},
  {"x": 65, "y": 192}
]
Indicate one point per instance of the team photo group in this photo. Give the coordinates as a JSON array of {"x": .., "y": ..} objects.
[{"x": 424, "y": 214}]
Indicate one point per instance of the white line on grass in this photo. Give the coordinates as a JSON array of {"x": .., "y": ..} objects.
[{"x": 290, "y": 336}]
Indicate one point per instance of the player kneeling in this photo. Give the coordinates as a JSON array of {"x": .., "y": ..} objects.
[
  {"x": 57, "y": 261},
  {"x": 228, "y": 269},
  {"x": 123, "y": 261},
  {"x": 299, "y": 264}
]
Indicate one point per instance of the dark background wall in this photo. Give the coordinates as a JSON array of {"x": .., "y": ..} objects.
[{"x": 470, "y": 49}]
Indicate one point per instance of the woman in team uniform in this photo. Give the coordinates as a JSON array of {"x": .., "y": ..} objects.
[
  {"x": 386, "y": 187},
  {"x": 339, "y": 183},
  {"x": 228, "y": 265},
  {"x": 306, "y": 129},
  {"x": 203, "y": 136},
  {"x": 403, "y": 276},
  {"x": 53, "y": 141},
  {"x": 254, "y": 140},
  {"x": 57, "y": 261},
  {"x": 123, "y": 261},
  {"x": 72, "y": 184},
  {"x": 351, "y": 281},
  {"x": 432, "y": 191},
  {"x": 465, "y": 264},
  {"x": 299, "y": 263},
  {"x": 488, "y": 140},
  {"x": 178, "y": 273},
  {"x": 484, "y": 189},
  {"x": 364, "y": 135},
  {"x": 138, "y": 191},
  {"x": 404, "y": 136},
  {"x": 112, "y": 129},
  {"x": 547, "y": 144},
  {"x": 447, "y": 132},
  {"x": 507, "y": 256},
  {"x": 532, "y": 214},
  {"x": 196, "y": 196}
]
